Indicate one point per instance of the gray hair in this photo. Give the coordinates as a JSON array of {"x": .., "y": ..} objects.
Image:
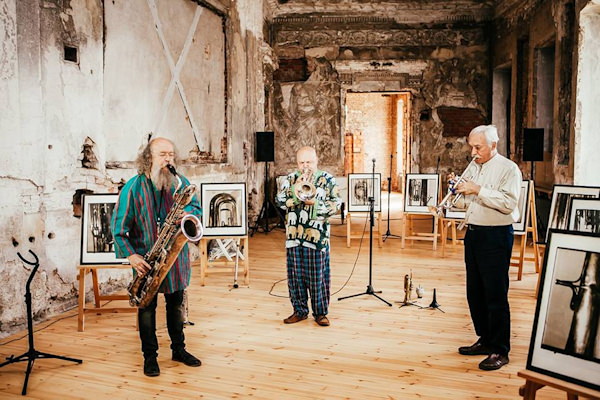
[
  {"x": 143, "y": 161},
  {"x": 489, "y": 131}
]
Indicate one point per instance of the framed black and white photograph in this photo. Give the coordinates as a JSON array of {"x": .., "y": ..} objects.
[
  {"x": 585, "y": 215},
  {"x": 224, "y": 209},
  {"x": 565, "y": 342},
  {"x": 520, "y": 226},
  {"x": 455, "y": 213},
  {"x": 360, "y": 188},
  {"x": 97, "y": 242},
  {"x": 562, "y": 197},
  {"x": 421, "y": 192}
]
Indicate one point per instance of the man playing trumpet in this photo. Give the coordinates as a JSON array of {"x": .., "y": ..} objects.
[
  {"x": 490, "y": 198},
  {"x": 310, "y": 197}
]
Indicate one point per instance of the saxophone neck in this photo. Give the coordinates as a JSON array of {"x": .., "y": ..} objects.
[{"x": 172, "y": 170}]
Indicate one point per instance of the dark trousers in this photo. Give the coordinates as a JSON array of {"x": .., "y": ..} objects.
[
  {"x": 487, "y": 258},
  {"x": 147, "y": 324}
]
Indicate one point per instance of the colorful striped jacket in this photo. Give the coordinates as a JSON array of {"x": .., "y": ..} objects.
[{"x": 135, "y": 226}]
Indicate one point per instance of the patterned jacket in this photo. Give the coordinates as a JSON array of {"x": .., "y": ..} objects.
[
  {"x": 308, "y": 225},
  {"x": 135, "y": 227}
]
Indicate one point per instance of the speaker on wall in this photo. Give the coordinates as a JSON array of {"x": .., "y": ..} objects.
[
  {"x": 533, "y": 144},
  {"x": 265, "y": 146}
]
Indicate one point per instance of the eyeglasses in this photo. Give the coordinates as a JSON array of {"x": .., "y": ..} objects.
[{"x": 166, "y": 153}]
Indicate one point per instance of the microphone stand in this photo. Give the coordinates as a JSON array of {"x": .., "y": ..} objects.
[
  {"x": 389, "y": 179},
  {"x": 370, "y": 289},
  {"x": 32, "y": 354}
]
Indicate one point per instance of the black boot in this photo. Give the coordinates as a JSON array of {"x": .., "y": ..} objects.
[
  {"x": 151, "y": 366},
  {"x": 183, "y": 356}
]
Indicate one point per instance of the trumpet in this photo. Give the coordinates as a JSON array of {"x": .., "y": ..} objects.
[
  {"x": 452, "y": 197},
  {"x": 304, "y": 188}
]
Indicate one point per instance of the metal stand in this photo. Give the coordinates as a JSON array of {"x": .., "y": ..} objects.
[
  {"x": 389, "y": 179},
  {"x": 263, "y": 215},
  {"x": 370, "y": 289},
  {"x": 434, "y": 304},
  {"x": 32, "y": 354}
]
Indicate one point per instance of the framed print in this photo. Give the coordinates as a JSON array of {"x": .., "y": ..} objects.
[
  {"x": 565, "y": 341},
  {"x": 521, "y": 225},
  {"x": 560, "y": 207},
  {"x": 585, "y": 215},
  {"x": 360, "y": 188},
  {"x": 455, "y": 213},
  {"x": 97, "y": 243},
  {"x": 421, "y": 192},
  {"x": 224, "y": 209}
]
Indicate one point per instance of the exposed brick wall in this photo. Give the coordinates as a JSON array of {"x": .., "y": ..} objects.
[{"x": 458, "y": 122}]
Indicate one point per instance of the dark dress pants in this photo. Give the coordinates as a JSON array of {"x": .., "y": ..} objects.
[
  {"x": 487, "y": 257},
  {"x": 147, "y": 324}
]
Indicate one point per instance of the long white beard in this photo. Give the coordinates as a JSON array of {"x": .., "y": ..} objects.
[{"x": 161, "y": 178}]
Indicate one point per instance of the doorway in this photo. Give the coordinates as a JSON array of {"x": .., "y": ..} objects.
[{"x": 377, "y": 126}]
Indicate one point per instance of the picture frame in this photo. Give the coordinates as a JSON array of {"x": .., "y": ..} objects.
[
  {"x": 523, "y": 203},
  {"x": 224, "y": 209},
  {"x": 97, "y": 242},
  {"x": 585, "y": 215},
  {"x": 455, "y": 213},
  {"x": 560, "y": 206},
  {"x": 561, "y": 344},
  {"x": 360, "y": 188},
  {"x": 421, "y": 191}
]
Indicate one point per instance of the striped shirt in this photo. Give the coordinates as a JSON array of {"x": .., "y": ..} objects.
[{"x": 135, "y": 226}]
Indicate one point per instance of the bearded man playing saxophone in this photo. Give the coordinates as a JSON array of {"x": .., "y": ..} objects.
[{"x": 490, "y": 198}]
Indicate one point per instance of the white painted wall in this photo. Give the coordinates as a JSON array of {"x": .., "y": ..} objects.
[
  {"x": 587, "y": 135},
  {"x": 49, "y": 107}
]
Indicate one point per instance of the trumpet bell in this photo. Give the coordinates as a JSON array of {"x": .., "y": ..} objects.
[{"x": 305, "y": 190}]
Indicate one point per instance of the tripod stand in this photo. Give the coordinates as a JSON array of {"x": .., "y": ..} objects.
[
  {"x": 32, "y": 353},
  {"x": 263, "y": 215},
  {"x": 370, "y": 289},
  {"x": 389, "y": 179}
]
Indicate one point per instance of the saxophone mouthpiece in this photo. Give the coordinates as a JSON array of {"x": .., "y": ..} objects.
[{"x": 171, "y": 169}]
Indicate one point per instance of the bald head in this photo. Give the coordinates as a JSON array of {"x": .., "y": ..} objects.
[{"x": 306, "y": 158}]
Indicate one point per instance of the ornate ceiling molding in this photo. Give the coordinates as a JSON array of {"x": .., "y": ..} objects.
[{"x": 403, "y": 37}]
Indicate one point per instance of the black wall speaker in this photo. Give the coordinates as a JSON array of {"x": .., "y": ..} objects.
[
  {"x": 265, "y": 146},
  {"x": 533, "y": 144}
]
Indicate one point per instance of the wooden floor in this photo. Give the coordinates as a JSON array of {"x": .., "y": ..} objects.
[{"x": 370, "y": 351}]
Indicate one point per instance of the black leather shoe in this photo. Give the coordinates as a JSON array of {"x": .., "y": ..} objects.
[
  {"x": 151, "y": 367},
  {"x": 493, "y": 361},
  {"x": 186, "y": 358},
  {"x": 477, "y": 349}
]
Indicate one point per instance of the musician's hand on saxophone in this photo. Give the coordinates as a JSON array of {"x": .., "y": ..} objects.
[{"x": 139, "y": 264}]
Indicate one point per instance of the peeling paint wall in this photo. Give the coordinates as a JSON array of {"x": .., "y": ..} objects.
[
  {"x": 442, "y": 65},
  {"x": 587, "y": 138},
  {"x": 55, "y": 139}
]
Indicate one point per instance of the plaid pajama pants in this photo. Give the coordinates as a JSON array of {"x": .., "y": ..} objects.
[{"x": 308, "y": 269}]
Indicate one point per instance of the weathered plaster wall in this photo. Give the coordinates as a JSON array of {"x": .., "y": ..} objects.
[
  {"x": 442, "y": 66},
  {"x": 55, "y": 141},
  {"x": 521, "y": 29},
  {"x": 587, "y": 138}
]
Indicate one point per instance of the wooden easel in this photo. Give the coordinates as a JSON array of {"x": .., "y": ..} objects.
[
  {"x": 228, "y": 264},
  {"x": 530, "y": 227},
  {"x": 535, "y": 381},
  {"x": 350, "y": 234},
  {"x": 445, "y": 224},
  {"x": 98, "y": 309},
  {"x": 408, "y": 232}
]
